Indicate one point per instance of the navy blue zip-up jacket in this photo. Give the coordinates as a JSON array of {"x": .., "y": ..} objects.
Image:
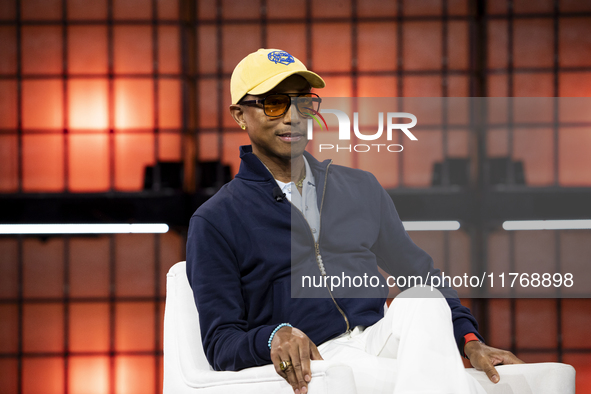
[{"x": 240, "y": 247}]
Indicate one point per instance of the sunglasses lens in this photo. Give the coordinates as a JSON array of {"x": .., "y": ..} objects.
[
  {"x": 276, "y": 105},
  {"x": 307, "y": 105}
]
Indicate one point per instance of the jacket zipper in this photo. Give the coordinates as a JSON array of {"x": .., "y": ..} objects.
[
  {"x": 323, "y": 272},
  {"x": 317, "y": 249}
]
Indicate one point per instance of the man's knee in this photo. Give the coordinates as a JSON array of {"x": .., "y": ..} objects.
[
  {"x": 425, "y": 300},
  {"x": 421, "y": 292}
]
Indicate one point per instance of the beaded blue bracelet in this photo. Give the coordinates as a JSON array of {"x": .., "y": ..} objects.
[{"x": 275, "y": 331}]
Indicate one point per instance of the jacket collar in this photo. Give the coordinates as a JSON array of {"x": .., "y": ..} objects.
[{"x": 253, "y": 169}]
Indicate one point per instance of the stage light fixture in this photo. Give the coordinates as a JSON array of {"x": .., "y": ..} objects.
[
  {"x": 441, "y": 225},
  {"x": 84, "y": 228},
  {"x": 580, "y": 224}
]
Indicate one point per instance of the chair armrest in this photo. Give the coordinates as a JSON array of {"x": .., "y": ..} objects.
[
  {"x": 336, "y": 372},
  {"x": 537, "y": 378}
]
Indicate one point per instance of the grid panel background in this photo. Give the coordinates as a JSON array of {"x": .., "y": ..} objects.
[
  {"x": 91, "y": 92},
  {"x": 80, "y": 313}
]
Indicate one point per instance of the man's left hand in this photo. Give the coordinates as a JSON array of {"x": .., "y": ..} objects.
[{"x": 484, "y": 358}]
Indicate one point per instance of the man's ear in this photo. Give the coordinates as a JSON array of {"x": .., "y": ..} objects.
[{"x": 238, "y": 115}]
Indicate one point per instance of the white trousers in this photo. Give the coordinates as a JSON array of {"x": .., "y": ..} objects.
[{"x": 411, "y": 350}]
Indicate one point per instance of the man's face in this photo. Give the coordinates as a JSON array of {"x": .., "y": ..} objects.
[{"x": 280, "y": 137}]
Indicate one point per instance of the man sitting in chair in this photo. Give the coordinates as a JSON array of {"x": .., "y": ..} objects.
[{"x": 241, "y": 243}]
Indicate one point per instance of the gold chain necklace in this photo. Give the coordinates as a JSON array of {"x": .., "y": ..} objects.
[{"x": 300, "y": 184}]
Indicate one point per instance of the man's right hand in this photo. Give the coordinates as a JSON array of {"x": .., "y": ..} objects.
[{"x": 291, "y": 345}]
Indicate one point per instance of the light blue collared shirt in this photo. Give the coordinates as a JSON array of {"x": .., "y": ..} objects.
[{"x": 307, "y": 202}]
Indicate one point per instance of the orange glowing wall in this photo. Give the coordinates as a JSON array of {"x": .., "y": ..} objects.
[
  {"x": 85, "y": 106},
  {"x": 119, "y": 108},
  {"x": 87, "y": 316},
  {"x": 93, "y": 91}
]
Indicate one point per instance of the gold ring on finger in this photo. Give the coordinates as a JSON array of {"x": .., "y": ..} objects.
[{"x": 283, "y": 365}]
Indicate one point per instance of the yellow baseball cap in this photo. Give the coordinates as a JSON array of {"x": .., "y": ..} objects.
[{"x": 264, "y": 69}]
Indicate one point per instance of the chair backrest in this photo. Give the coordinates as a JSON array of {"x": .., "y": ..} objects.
[{"x": 182, "y": 335}]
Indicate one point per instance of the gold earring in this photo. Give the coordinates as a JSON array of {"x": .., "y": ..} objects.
[{"x": 243, "y": 127}]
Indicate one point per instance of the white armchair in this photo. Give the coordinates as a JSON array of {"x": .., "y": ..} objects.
[{"x": 186, "y": 370}]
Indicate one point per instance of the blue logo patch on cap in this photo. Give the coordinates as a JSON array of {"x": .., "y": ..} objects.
[{"x": 281, "y": 57}]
